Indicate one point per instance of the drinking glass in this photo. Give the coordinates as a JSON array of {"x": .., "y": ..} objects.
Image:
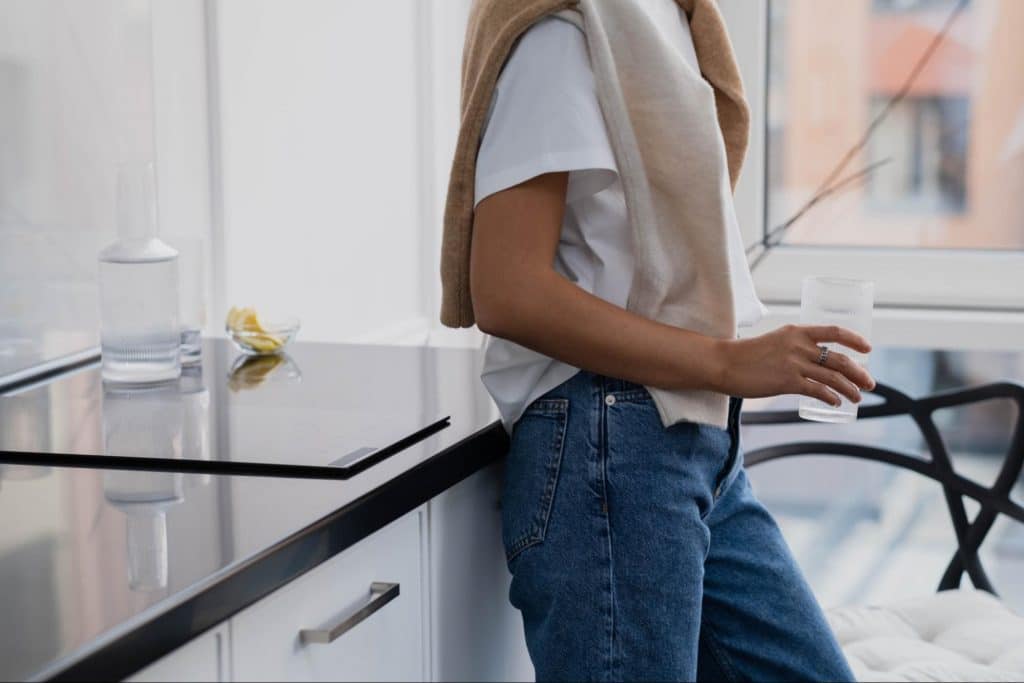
[
  {"x": 192, "y": 313},
  {"x": 836, "y": 301}
]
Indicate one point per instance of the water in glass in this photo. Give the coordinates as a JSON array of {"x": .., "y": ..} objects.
[{"x": 836, "y": 301}]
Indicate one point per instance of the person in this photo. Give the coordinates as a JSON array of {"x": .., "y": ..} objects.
[{"x": 638, "y": 551}]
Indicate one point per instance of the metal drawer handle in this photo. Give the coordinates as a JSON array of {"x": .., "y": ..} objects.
[{"x": 380, "y": 594}]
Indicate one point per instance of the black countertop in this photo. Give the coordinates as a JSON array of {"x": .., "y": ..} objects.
[
  {"x": 273, "y": 418},
  {"x": 104, "y": 571}
]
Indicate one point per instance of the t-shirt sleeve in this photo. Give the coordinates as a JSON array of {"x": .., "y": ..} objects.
[{"x": 545, "y": 117}]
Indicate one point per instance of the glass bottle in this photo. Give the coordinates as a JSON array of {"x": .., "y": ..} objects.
[
  {"x": 192, "y": 313},
  {"x": 138, "y": 277}
]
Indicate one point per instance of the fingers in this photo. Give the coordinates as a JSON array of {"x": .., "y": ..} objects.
[
  {"x": 819, "y": 391},
  {"x": 842, "y": 363},
  {"x": 834, "y": 379},
  {"x": 840, "y": 335}
]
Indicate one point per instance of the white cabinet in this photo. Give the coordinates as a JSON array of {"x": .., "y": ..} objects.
[
  {"x": 451, "y": 619},
  {"x": 375, "y": 640},
  {"x": 476, "y": 633},
  {"x": 204, "y": 658}
]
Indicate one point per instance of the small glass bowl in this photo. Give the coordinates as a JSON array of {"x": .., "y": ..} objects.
[{"x": 274, "y": 339}]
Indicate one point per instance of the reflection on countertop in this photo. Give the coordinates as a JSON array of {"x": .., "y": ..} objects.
[
  {"x": 84, "y": 553},
  {"x": 267, "y": 410},
  {"x": 145, "y": 498},
  {"x": 249, "y": 372},
  {"x": 160, "y": 421}
]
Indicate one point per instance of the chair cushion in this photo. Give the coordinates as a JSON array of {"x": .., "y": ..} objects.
[{"x": 956, "y": 635}]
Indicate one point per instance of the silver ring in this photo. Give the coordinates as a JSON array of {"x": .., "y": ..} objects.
[{"x": 823, "y": 357}]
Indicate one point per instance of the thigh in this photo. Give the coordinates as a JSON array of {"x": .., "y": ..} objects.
[
  {"x": 760, "y": 620},
  {"x": 556, "y": 544},
  {"x": 658, "y": 490},
  {"x": 604, "y": 535}
]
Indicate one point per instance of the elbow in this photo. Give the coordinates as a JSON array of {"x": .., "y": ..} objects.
[
  {"x": 497, "y": 308},
  {"x": 505, "y": 298},
  {"x": 485, "y": 297},
  {"x": 491, "y": 314},
  {"x": 484, "y": 318}
]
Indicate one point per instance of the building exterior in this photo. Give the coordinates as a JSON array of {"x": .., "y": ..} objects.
[{"x": 950, "y": 154}]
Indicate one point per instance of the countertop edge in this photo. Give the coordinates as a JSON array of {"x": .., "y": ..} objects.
[{"x": 238, "y": 587}]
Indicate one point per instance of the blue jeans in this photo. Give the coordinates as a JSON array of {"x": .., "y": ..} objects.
[{"x": 640, "y": 553}]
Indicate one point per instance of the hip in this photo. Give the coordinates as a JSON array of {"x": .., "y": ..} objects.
[
  {"x": 593, "y": 441},
  {"x": 616, "y": 413}
]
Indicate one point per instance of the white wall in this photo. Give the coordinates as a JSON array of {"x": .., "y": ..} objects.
[
  {"x": 325, "y": 159},
  {"x": 181, "y": 125},
  {"x": 447, "y": 34}
]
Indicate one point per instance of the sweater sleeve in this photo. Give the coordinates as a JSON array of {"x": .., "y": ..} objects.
[{"x": 545, "y": 117}]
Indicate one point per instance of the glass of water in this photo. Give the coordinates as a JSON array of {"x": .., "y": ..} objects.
[
  {"x": 836, "y": 301},
  {"x": 192, "y": 276}
]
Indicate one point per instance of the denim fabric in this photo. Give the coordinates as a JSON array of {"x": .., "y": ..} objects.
[{"x": 640, "y": 553}]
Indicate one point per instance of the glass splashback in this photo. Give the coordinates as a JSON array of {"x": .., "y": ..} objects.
[{"x": 76, "y": 99}]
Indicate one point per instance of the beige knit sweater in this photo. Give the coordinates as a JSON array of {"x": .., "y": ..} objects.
[{"x": 679, "y": 138}]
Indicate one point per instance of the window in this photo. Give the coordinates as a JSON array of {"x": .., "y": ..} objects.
[
  {"x": 938, "y": 86},
  {"x": 893, "y": 147}
]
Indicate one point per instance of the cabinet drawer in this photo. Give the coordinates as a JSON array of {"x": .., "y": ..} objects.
[
  {"x": 201, "y": 659},
  {"x": 374, "y": 638}
]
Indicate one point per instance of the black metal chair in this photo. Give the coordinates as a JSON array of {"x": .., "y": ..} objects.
[{"x": 994, "y": 500}]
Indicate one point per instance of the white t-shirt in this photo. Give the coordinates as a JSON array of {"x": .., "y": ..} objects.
[{"x": 545, "y": 118}]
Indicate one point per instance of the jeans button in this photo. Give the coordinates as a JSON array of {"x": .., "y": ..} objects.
[{"x": 609, "y": 400}]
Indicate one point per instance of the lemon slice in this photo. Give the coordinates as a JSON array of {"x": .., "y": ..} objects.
[
  {"x": 264, "y": 343},
  {"x": 246, "y": 324},
  {"x": 244, "y": 320}
]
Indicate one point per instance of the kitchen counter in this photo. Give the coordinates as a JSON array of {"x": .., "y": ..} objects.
[{"x": 104, "y": 571}]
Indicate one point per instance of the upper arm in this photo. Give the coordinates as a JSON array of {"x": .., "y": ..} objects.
[
  {"x": 515, "y": 238},
  {"x": 544, "y": 144}
]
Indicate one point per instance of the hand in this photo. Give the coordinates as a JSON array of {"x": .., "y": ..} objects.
[{"x": 785, "y": 361}]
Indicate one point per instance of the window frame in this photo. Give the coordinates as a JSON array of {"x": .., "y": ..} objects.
[{"x": 913, "y": 280}]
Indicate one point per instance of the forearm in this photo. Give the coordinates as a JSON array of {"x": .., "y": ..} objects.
[{"x": 555, "y": 317}]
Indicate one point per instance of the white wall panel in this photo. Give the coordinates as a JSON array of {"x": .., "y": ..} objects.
[{"x": 320, "y": 162}]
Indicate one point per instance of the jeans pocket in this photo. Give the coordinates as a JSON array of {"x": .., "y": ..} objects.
[{"x": 531, "y": 474}]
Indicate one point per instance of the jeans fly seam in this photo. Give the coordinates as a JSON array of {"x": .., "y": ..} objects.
[
  {"x": 703, "y": 517},
  {"x": 602, "y": 457}
]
